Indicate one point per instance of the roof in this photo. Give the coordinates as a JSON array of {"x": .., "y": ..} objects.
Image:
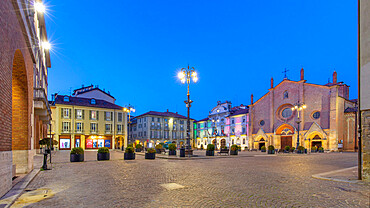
[
  {"x": 83, "y": 90},
  {"x": 204, "y": 119},
  {"x": 349, "y": 110},
  {"x": 85, "y": 102},
  {"x": 164, "y": 114},
  {"x": 239, "y": 112}
]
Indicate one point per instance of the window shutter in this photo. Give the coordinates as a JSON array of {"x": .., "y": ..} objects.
[
  {"x": 70, "y": 112},
  {"x": 105, "y": 116},
  {"x": 97, "y": 115},
  {"x": 90, "y": 114},
  {"x": 61, "y": 112},
  {"x": 97, "y": 128},
  {"x": 82, "y": 127},
  {"x": 75, "y": 113},
  {"x": 83, "y": 114},
  {"x": 111, "y": 116}
]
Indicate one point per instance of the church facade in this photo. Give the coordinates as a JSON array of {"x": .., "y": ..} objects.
[{"x": 328, "y": 119}]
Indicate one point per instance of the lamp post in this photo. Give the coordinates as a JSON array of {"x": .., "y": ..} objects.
[
  {"x": 215, "y": 131},
  {"x": 298, "y": 107},
  {"x": 128, "y": 109},
  {"x": 185, "y": 75}
]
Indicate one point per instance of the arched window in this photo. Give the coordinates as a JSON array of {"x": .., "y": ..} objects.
[
  {"x": 93, "y": 101},
  {"x": 66, "y": 99},
  {"x": 286, "y": 95}
]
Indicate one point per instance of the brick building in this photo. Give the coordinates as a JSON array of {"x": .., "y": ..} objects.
[
  {"x": 24, "y": 110},
  {"x": 328, "y": 121}
]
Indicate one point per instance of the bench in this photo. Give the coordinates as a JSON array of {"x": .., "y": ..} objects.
[{"x": 223, "y": 151}]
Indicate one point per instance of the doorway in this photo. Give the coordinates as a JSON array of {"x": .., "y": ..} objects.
[{"x": 286, "y": 141}]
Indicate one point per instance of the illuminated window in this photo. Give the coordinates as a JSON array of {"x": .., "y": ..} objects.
[{"x": 316, "y": 115}]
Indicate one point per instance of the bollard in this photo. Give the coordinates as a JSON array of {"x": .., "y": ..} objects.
[{"x": 45, "y": 166}]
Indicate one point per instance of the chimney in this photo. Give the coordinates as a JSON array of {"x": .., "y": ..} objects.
[
  {"x": 83, "y": 86},
  {"x": 335, "y": 77},
  {"x": 302, "y": 74},
  {"x": 272, "y": 82},
  {"x": 53, "y": 97},
  {"x": 252, "y": 99},
  {"x": 167, "y": 110},
  {"x": 176, "y": 112}
]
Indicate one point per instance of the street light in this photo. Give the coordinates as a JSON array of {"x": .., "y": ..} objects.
[
  {"x": 185, "y": 75},
  {"x": 215, "y": 130},
  {"x": 128, "y": 109},
  {"x": 298, "y": 107}
]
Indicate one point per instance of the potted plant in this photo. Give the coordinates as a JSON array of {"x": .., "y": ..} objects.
[
  {"x": 300, "y": 150},
  {"x": 138, "y": 148},
  {"x": 286, "y": 149},
  {"x": 321, "y": 149},
  {"x": 77, "y": 154},
  {"x": 292, "y": 149},
  {"x": 172, "y": 149},
  {"x": 239, "y": 148},
  {"x": 150, "y": 154},
  {"x": 271, "y": 149},
  {"x": 158, "y": 148},
  {"x": 129, "y": 153},
  {"x": 314, "y": 149},
  {"x": 234, "y": 149},
  {"x": 263, "y": 149},
  {"x": 210, "y": 150},
  {"x": 103, "y": 153}
]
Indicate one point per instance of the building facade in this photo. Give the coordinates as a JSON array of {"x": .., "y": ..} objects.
[
  {"x": 154, "y": 127},
  {"x": 24, "y": 110},
  {"x": 225, "y": 126},
  {"x": 323, "y": 123},
  {"x": 88, "y": 123}
]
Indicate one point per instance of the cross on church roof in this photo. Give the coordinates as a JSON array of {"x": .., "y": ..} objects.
[{"x": 285, "y": 71}]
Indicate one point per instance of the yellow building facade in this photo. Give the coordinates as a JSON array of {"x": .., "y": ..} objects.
[{"x": 88, "y": 123}]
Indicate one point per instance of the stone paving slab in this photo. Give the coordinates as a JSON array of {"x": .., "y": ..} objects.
[{"x": 224, "y": 182}]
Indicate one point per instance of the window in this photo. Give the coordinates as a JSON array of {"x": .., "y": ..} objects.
[
  {"x": 144, "y": 119},
  {"x": 159, "y": 119},
  {"x": 232, "y": 121},
  {"x": 79, "y": 114},
  {"x": 139, "y": 120},
  {"x": 243, "y": 130},
  {"x": 144, "y": 125},
  {"x": 243, "y": 141},
  {"x": 316, "y": 115},
  {"x": 119, "y": 128},
  {"x": 108, "y": 116},
  {"x": 79, "y": 127},
  {"x": 152, "y": 118},
  {"x": 174, "y": 135},
  {"x": 94, "y": 115},
  {"x": 145, "y": 133},
  {"x": 262, "y": 122},
  {"x": 286, "y": 95},
  {"x": 198, "y": 126},
  {"x": 93, "y": 127},
  {"x": 119, "y": 117},
  {"x": 286, "y": 113},
  {"x": 66, "y": 113},
  {"x": 66, "y": 126},
  {"x": 243, "y": 120},
  {"x": 93, "y": 101},
  {"x": 174, "y": 127},
  {"x": 151, "y": 134},
  {"x": 181, "y": 121},
  {"x": 66, "y": 99},
  {"x": 108, "y": 127}
]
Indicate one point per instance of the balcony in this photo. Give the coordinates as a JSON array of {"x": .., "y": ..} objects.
[
  {"x": 94, "y": 132},
  {"x": 41, "y": 104},
  {"x": 108, "y": 131},
  {"x": 79, "y": 131},
  {"x": 66, "y": 131}
]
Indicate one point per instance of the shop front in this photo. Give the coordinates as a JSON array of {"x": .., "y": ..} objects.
[
  {"x": 95, "y": 142},
  {"x": 64, "y": 142}
]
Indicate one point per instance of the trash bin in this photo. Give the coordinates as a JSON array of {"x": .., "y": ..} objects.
[
  {"x": 305, "y": 151},
  {"x": 182, "y": 152}
]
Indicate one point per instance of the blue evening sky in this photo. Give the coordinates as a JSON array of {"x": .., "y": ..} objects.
[{"x": 134, "y": 48}]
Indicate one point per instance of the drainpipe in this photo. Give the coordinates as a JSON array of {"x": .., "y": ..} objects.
[{"x": 359, "y": 94}]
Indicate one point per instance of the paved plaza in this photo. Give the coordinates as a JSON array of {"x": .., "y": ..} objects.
[{"x": 248, "y": 180}]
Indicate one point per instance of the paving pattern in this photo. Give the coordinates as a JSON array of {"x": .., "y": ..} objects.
[{"x": 260, "y": 181}]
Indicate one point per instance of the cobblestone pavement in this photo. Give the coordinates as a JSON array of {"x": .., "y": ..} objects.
[{"x": 260, "y": 181}]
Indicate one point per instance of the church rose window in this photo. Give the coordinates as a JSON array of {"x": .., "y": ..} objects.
[
  {"x": 262, "y": 122},
  {"x": 286, "y": 113},
  {"x": 316, "y": 115}
]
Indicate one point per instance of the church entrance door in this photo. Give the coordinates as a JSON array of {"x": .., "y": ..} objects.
[
  {"x": 260, "y": 145},
  {"x": 286, "y": 141},
  {"x": 316, "y": 143}
]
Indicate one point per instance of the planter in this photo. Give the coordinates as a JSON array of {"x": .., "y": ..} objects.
[
  {"x": 233, "y": 152},
  {"x": 271, "y": 152},
  {"x": 299, "y": 152},
  {"x": 321, "y": 151},
  {"x": 158, "y": 151},
  {"x": 263, "y": 150},
  {"x": 77, "y": 157},
  {"x": 129, "y": 156},
  {"x": 150, "y": 156},
  {"x": 182, "y": 152},
  {"x": 103, "y": 156},
  {"x": 137, "y": 150},
  {"x": 210, "y": 153},
  {"x": 172, "y": 152}
]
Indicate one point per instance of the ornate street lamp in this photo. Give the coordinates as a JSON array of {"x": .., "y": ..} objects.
[
  {"x": 185, "y": 75},
  {"x": 298, "y": 107},
  {"x": 128, "y": 109}
]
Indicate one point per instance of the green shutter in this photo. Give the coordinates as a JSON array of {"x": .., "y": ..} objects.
[
  {"x": 61, "y": 113},
  {"x": 97, "y": 115},
  {"x": 90, "y": 114},
  {"x": 105, "y": 116},
  {"x": 70, "y": 112},
  {"x": 82, "y": 127},
  {"x": 75, "y": 113},
  {"x": 97, "y": 128},
  {"x": 111, "y": 116},
  {"x": 83, "y": 114}
]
